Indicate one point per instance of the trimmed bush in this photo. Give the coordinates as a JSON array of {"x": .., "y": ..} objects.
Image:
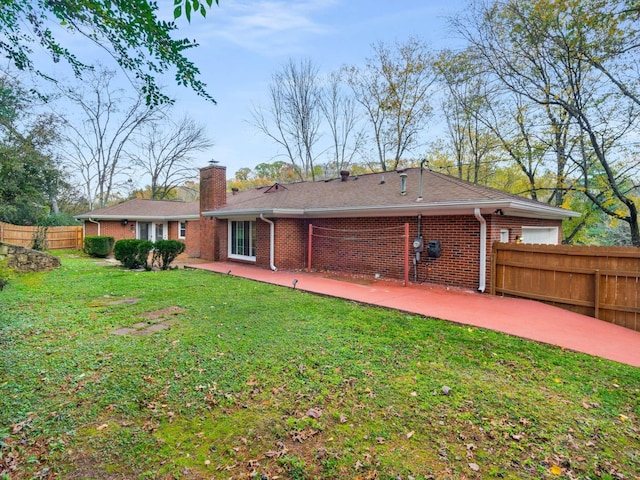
[
  {"x": 98, "y": 246},
  {"x": 165, "y": 252},
  {"x": 133, "y": 253}
]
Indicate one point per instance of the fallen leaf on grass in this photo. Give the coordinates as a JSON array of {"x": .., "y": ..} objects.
[
  {"x": 555, "y": 470},
  {"x": 314, "y": 413},
  {"x": 16, "y": 427},
  {"x": 410, "y": 434},
  {"x": 102, "y": 427},
  {"x": 474, "y": 467}
]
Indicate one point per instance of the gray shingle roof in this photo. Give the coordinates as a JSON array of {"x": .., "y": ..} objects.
[
  {"x": 379, "y": 194},
  {"x": 146, "y": 209}
]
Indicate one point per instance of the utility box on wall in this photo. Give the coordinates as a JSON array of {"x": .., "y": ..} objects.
[{"x": 433, "y": 249}]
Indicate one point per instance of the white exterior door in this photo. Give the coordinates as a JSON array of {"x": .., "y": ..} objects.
[
  {"x": 160, "y": 232},
  {"x": 145, "y": 231}
]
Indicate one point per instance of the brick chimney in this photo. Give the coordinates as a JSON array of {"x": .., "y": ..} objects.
[
  {"x": 213, "y": 188},
  {"x": 213, "y": 195}
]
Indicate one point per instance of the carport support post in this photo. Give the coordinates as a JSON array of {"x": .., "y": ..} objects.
[
  {"x": 309, "y": 247},
  {"x": 406, "y": 254}
]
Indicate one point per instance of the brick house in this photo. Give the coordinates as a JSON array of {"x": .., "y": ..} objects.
[
  {"x": 351, "y": 224},
  {"x": 356, "y": 224},
  {"x": 149, "y": 220}
]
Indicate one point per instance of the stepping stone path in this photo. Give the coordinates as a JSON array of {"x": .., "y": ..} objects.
[{"x": 153, "y": 322}]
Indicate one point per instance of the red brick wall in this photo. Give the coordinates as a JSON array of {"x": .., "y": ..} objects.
[
  {"x": 113, "y": 229},
  {"x": 192, "y": 240},
  {"x": 118, "y": 231},
  {"x": 368, "y": 246},
  {"x": 213, "y": 195},
  {"x": 365, "y": 246},
  {"x": 290, "y": 243}
]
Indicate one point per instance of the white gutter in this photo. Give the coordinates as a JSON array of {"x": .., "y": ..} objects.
[
  {"x": 483, "y": 250},
  {"x": 92, "y": 221},
  {"x": 271, "y": 241},
  {"x": 510, "y": 207}
]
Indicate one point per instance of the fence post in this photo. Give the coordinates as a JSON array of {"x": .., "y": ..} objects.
[
  {"x": 494, "y": 266},
  {"x": 406, "y": 254},
  {"x": 596, "y": 296},
  {"x": 310, "y": 247}
]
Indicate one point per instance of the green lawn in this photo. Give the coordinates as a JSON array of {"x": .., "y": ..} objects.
[{"x": 258, "y": 381}]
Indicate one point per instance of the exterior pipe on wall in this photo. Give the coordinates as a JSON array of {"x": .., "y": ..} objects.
[
  {"x": 483, "y": 249},
  {"x": 272, "y": 239}
]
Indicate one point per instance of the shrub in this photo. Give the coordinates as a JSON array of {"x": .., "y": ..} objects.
[
  {"x": 165, "y": 252},
  {"x": 133, "y": 253},
  {"x": 98, "y": 246}
]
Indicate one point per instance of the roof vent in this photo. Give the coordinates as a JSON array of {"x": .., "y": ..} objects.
[
  {"x": 403, "y": 183},
  {"x": 275, "y": 187},
  {"x": 344, "y": 174}
]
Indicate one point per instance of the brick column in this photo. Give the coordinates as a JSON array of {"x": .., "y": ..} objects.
[{"x": 213, "y": 195}]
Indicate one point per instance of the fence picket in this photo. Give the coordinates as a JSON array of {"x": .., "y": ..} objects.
[
  {"x": 57, "y": 237},
  {"x": 598, "y": 281}
]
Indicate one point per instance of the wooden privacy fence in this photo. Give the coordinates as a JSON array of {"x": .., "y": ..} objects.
[
  {"x": 57, "y": 237},
  {"x": 602, "y": 282}
]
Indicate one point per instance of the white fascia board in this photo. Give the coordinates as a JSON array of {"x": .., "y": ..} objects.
[
  {"x": 139, "y": 218},
  {"x": 513, "y": 208},
  {"x": 488, "y": 207},
  {"x": 267, "y": 212}
]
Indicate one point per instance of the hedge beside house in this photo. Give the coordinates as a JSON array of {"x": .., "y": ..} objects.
[{"x": 98, "y": 246}]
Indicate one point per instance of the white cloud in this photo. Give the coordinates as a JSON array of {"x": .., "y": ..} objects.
[{"x": 267, "y": 26}]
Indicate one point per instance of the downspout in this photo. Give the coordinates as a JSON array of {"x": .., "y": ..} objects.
[
  {"x": 92, "y": 221},
  {"x": 483, "y": 250},
  {"x": 272, "y": 236}
]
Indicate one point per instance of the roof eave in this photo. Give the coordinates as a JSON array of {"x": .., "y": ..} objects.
[
  {"x": 138, "y": 218},
  {"x": 487, "y": 207}
]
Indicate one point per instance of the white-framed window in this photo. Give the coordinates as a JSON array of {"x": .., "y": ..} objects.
[
  {"x": 242, "y": 240},
  {"x": 182, "y": 230},
  {"x": 541, "y": 235},
  {"x": 504, "y": 235},
  {"x": 152, "y": 231},
  {"x": 145, "y": 231}
]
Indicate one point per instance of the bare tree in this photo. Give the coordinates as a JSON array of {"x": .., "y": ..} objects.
[
  {"x": 96, "y": 140},
  {"x": 394, "y": 89},
  {"x": 339, "y": 110},
  {"x": 293, "y": 118},
  {"x": 163, "y": 152}
]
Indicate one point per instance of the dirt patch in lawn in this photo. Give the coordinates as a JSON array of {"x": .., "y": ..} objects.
[{"x": 152, "y": 322}]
